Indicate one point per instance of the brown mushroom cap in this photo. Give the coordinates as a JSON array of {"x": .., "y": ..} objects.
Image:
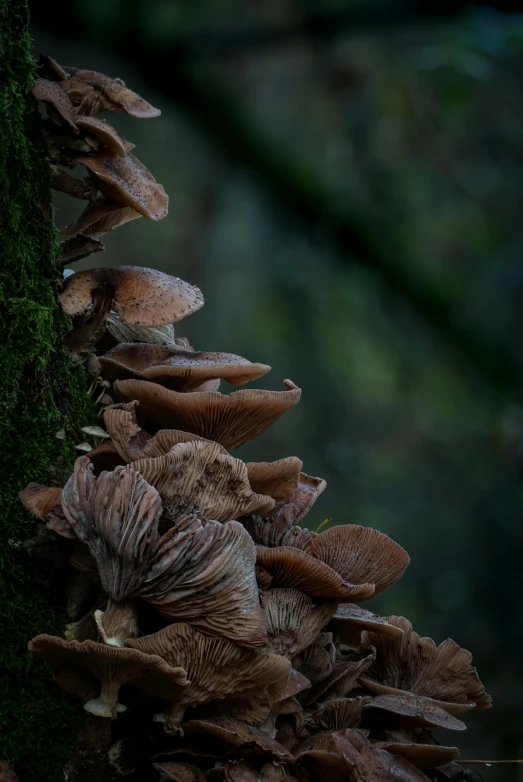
[
  {"x": 292, "y": 620},
  {"x": 95, "y": 92},
  {"x": 293, "y": 568},
  {"x": 408, "y": 663},
  {"x": 230, "y": 420},
  {"x": 117, "y": 515},
  {"x": 127, "y": 181},
  {"x": 196, "y": 477},
  {"x": 142, "y": 296},
  {"x": 161, "y": 335},
  {"x": 216, "y": 667},
  {"x": 51, "y": 68},
  {"x": 88, "y": 667},
  {"x": 52, "y": 92},
  {"x": 416, "y": 710},
  {"x": 134, "y": 443},
  {"x": 317, "y": 660},
  {"x": 99, "y": 218},
  {"x": 337, "y": 714},
  {"x": 204, "y": 574},
  {"x": 40, "y": 500},
  {"x": 343, "y": 678},
  {"x": 420, "y": 755},
  {"x": 351, "y": 620},
  {"x": 360, "y": 555},
  {"x": 236, "y": 734},
  {"x": 179, "y": 772},
  {"x": 105, "y": 133}
]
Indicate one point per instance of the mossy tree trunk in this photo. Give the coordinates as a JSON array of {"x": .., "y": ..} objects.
[{"x": 42, "y": 391}]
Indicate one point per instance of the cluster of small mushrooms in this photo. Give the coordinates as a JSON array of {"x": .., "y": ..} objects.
[{"x": 212, "y": 636}]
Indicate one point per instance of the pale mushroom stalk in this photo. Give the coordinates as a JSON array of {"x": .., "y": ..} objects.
[
  {"x": 172, "y": 718},
  {"x": 118, "y": 622},
  {"x": 106, "y": 704},
  {"x": 91, "y": 747}
]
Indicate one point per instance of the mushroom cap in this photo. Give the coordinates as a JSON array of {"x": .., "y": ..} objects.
[
  {"x": 96, "y": 92},
  {"x": 105, "y": 133},
  {"x": 92, "y": 663},
  {"x": 216, "y": 667},
  {"x": 415, "y": 710},
  {"x": 117, "y": 515},
  {"x": 99, "y": 218},
  {"x": 78, "y": 247},
  {"x": 337, "y": 714},
  {"x": 134, "y": 443},
  {"x": 277, "y": 479},
  {"x": 343, "y": 678},
  {"x": 6, "y": 772},
  {"x": 292, "y": 620},
  {"x": 127, "y": 181},
  {"x": 203, "y": 573},
  {"x": 105, "y": 457},
  {"x": 317, "y": 660},
  {"x": 420, "y": 755},
  {"x": 52, "y": 92},
  {"x": 263, "y": 578},
  {"x": 412, "y": 664},
  {"x": 293, "y": 568},
  {"x": 360, "y": 555},
  {"x": 40, "y": 500},
  {"x": 351, "y": 620},
  {"x": 230, "y": 420},
  {"x": 51, "y": 68},
  {"x": 161, "y": 335},
  {"x": 196, "y": 477},
  {"x": 142, "y": 296},
  {"x": 180, "y": 772},
  {"x": 236, "y": 734}
]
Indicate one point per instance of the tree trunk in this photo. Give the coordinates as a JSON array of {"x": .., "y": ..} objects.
[{"x": 42, "y": 392}]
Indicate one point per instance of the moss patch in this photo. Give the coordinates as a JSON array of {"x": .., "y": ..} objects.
[{"x": 41, "y": 391}]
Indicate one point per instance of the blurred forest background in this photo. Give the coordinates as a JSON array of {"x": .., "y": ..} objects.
[{"x": 345, "y": 187}]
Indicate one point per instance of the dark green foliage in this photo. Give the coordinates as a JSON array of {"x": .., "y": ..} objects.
[{"x": 41, "y": 392}]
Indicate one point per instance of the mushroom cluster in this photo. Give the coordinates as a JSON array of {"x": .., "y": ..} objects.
[{"x": 213, "y": 637}]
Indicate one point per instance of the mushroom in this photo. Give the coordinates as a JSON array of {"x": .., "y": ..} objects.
[
  {"x": 179, "y": 370},
  {"x": 117, "y": 516},
  {"x": 161, "y": 335},
  {"x": 293, "y": 568},
  {"x": 230, "y": 420},
  {"x": 39, "y": 500},
  {"x": 78, "y": 247},
  {"x": 263, "y": 578},
  {"x": 414, "y": 710},
  {"x": 351, "y": 620},
  {"x": 343, "y": 678},
  {"x": 134, "y": 443},
  {"x": 197, "y": 478},
  {"x": 100, "y": 217},
  {"x": 93, "y": 92},
  {"x": 216, "y": 667},
  {"x": 6, "y": 772},
  {"x": 348, "y": 756},
  {"x": 420, "y": 755},
  {"x": 141, "y": 296},
  {"x": 127, "y": 181},
  {"x": 407, "y": 664},
  {"x": 179, "y": 772},
  {"x": 360, "y": 554},
  {"x": 52, "y": 92},
  {"x": 292, "y": 620},
  {"x": 237, "y": 735},
  {"x": 203, "y": 573},
  {"x": 277, "y": 479},
  {"x": 95, "y": 672},
  {"x": 108, "y": 138}
]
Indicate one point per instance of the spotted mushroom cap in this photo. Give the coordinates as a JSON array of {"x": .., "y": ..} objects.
[
  {"x": 196, "y": 477},
  {"x": 93, "y": 92},
  {"x": 141, "y": 296}
]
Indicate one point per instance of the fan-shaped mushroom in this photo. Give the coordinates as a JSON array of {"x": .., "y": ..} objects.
[
  {"x": 216, "y": 667},
  {"x": 238, "y": 735},
  {"x": 350, "y": 621},
  {"x": 414, "y": 710},
  {"x": 230, "y": 420},
  {"x": 292, "y": 620},
  {"x": 52, "y": 92}
]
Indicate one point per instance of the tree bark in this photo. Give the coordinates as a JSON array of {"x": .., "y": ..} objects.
[{"x": 42, "y": 391}]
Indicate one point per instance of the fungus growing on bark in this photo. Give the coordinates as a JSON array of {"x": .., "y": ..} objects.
[
  {"x": 408, "y": 664},
  {"x": 140, "y": 296},
  {"x": 216, "y": 667},
  {"x": 230, "y": 420},
  {"x": 96, "y": 672}
]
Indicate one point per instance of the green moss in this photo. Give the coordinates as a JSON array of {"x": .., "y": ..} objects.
[{"x": 41, "y": 391}]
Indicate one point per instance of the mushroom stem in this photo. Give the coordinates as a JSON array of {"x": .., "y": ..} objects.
[
  {"x": 118, "y": 622},
  {"x": 172, "y": 718},
  {"x": 90, "y": 750},
  {"x": 106, "y": 705}
]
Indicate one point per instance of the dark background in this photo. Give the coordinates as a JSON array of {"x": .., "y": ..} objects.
[{"x": 345, "y": 186}]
